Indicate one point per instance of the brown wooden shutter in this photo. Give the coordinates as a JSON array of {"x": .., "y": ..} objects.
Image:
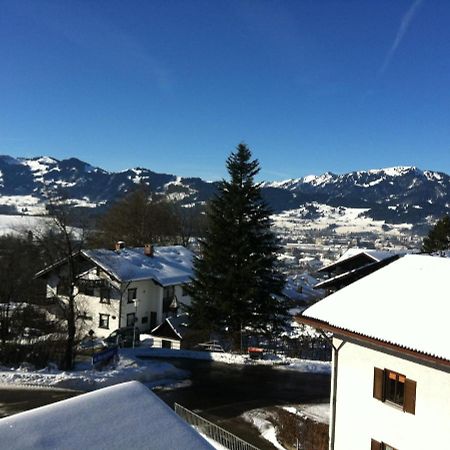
[
  {"x": 378, "y": 382},
  {"x": 409, "y": 404},
  {"x": 375, "y": 445}
]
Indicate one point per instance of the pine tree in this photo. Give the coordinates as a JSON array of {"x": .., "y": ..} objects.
[
  {"x": 438, "y": 238},
  {"x": 236, "y": 279}
]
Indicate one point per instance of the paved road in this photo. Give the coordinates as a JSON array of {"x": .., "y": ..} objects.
[
  {"x": 14, "y": 400},
  {"x": 222, "y": 392},
  {"x": 218, "y": 392}
]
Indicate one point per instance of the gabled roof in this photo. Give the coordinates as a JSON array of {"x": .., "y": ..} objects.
[
  {"x": 168, "y": 266},
  {"x": 343, "y": 279},
  {"x": 406, "y": 303},
  {"x": 355, "y": 253},
  {"x": 172, "y": 327},
  {"x": 97, "y": 420}
]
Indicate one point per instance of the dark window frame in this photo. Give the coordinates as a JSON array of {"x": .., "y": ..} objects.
[
  {"x": 404, "y": 393},
  {"x": 131, "y": 298},
  {"x": 128, "y": 319},
  {"x": 394, "y": 387},
  {"x": 103, "y": 317},
  {"x": 105, "y": 296}
]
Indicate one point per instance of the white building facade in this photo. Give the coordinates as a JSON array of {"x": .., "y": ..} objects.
[
  {"x": 391, "y": 357},
  {"x": 126, "y": 287}
]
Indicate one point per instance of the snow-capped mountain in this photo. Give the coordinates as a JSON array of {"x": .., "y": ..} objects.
[
  {"x": 395, "y": 195},
  {"x": 25, "y": 183}
]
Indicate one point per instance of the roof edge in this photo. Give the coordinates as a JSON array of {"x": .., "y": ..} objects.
[{"x": 325, "y": 326}]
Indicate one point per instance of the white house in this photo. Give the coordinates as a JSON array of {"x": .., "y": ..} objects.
[
  {"x": 124, "y": 416},
  {"x": 391, "y": 357},
  {"x": 124, "y": 287}
]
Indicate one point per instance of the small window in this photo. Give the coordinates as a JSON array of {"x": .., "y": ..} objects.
[
  {"x": 104, "y": 321},
  {"x": 63, "y": 288},
  {"x": 184, "y": 290},
  {"x": 132, "y": 295},
  {"x": 393, "y": 387},
  {"x": 145, "y": 319},
  {"x": 105, "y": 296},
  {"x": 85, "y": 288}
]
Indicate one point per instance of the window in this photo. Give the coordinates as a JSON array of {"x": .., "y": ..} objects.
[
  {"x": 168, "y": 295},
  {"x": 392, "y": 387},
  {"x": 104, "y": 321},
  {"x": 132, "y": 295},
  {"x": 184, "y": 290},
  {"x": 144, "y": 319},
  {"x": 375, "y": 445},
  {"x": 105, "y": 296},
  {"x": 85, "y": 288},
  {"x": 131, "y": 318},
  {"x": 63, "y": 287},
  {"x": 395, "y": 387}
]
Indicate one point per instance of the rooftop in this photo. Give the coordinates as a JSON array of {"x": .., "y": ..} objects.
[
  {"x": 168, "y": 265},
  {"x": 406, "y": 303},
  {"x": 98, "y": 420}
]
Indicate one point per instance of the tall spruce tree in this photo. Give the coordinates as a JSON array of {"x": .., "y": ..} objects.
[
  {"x": 236, "y": 278},
  {"x": 438, "y": 238}
]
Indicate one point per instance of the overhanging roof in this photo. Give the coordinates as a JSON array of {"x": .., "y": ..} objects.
[{"x": 405, "y": 304}]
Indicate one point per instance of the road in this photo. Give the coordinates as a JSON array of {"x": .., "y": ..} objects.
[
  {"x": 222, "y": 392},
  {"x": 219, "y": 392}
]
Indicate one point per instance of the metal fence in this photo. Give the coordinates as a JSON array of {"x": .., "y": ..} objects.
[{"x": 213, "y": 431}]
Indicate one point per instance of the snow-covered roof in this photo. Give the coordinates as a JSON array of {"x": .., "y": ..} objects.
[
  {"x": 375, "y": 255},
  {"x": 168, "y": 265},
  {"x": 406, "y": 303},
  {"x": 97, "y": 420}
]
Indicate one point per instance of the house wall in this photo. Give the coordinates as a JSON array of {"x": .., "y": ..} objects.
[
  {"x": 360, "y": 417},
  {"x": 149, "y": 299},
  {"x": 149, "y": 296}
]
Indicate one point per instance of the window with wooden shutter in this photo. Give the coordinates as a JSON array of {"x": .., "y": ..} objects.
[
  {"x": 378, "y": 383},
  {"x": 394, "y": 388},
  {"x": 409, "y": 404},
  {"x": 375, "y": 445}
]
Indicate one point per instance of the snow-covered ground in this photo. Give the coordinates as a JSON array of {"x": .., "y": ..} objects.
[
  {"x": 84, "y": 378},
  {"x": 319, "y": 412},
  {"x": 150, "y": 372},
  {"x": 343, "y": 220},
  {"x": 280, "y": 362},
  {"x": 267, "y": 420}
]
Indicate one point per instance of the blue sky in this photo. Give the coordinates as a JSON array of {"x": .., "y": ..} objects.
[{"x": 175, "y": 85}]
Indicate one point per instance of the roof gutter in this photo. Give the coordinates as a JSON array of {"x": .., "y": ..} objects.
[{"x": 394, "y": 348}]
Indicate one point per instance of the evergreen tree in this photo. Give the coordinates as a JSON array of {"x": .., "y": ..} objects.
[
  {"x": 236, "y": 280},
  {"x": 438, "y": 238}
]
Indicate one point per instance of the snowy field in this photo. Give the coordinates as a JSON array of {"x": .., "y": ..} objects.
[
  {"x": 343, "y": 220},
  {"x": 20, "y": 225}
]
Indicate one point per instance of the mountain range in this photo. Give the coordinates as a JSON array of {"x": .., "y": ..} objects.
[{"x": 397, "y": 195}]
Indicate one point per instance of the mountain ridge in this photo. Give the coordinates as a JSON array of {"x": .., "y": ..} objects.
[{"x": 394, "y": 194}]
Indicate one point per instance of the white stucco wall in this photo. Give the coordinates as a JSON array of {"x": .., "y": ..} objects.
[
  {"x": 149, "y": 299},
  {"x": 360, "y": 417}
]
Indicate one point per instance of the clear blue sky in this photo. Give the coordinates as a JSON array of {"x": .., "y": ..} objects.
[{"x": 175, "y": 85}]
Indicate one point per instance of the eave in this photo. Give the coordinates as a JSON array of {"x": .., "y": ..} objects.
[{"x": 379, "y": 343}]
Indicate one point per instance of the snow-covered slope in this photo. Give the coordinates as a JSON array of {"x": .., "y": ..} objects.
[{"x": 394, "y": 195}]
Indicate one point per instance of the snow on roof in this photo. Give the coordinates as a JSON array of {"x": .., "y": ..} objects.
[
  {"x": 168, "y": 265},
  {"x": 376, "y": 255},
  {"x": 406, "y": 303},
  {"x": 98, "y": 420}
]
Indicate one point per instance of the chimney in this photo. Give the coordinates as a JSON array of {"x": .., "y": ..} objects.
[
  {"x": 120, "y": 245},
  {"x": 148, "y": 249}
]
